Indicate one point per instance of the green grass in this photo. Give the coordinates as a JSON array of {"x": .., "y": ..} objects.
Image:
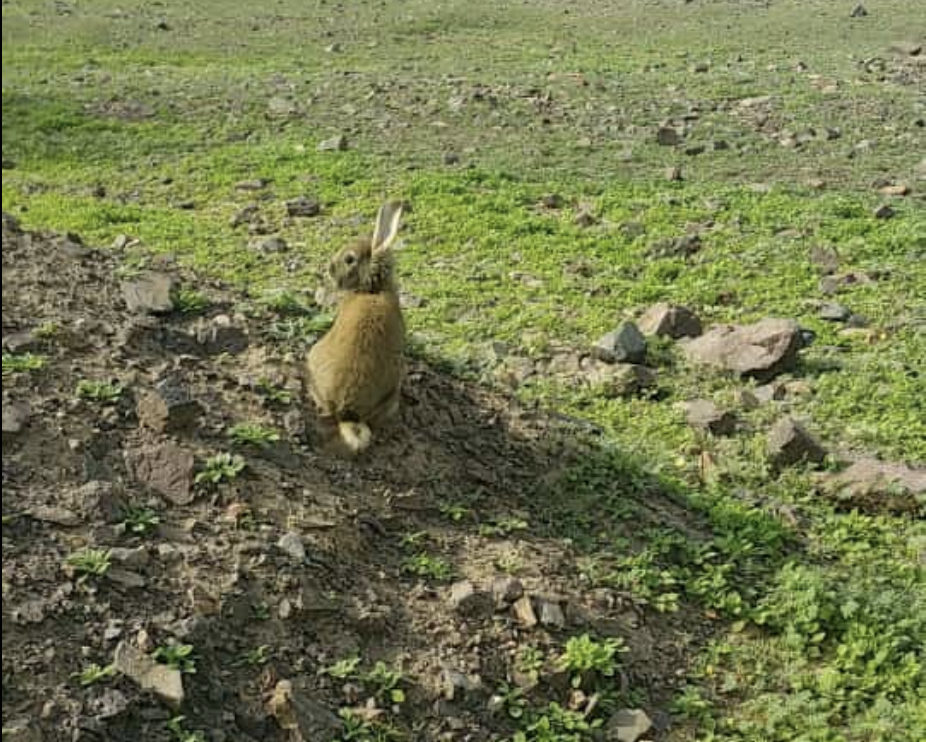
[
  {"x": 89, "y": 563},
  {"x": 820, "y": 625},
  {"x": 21, "y": 363},
  {"x": 102, "y": 392},
  {"x": 253, "y": 434}
]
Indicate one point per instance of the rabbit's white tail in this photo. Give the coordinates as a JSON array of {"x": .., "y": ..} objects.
[{"x": 356, "y": 436}]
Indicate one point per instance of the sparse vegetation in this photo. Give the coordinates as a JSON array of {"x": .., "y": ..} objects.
[
  {"x": 101, "y": 392},
  {"x": 140, "y": 521},
  {"x": 428, "y": 566},
  {"x": 176, "y": 655},
  {"x": 253, "y": 434},
  {"x": 94, "y": 673},
  {"x": 222, "y": 467},
  {"x": 584, "y": 656},
  {"x": 21, "y": 363},
  {"x": 89, "y": 563},
  {"x": 190, "y": 301}
]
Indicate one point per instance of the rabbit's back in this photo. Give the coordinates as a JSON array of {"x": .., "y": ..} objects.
[{"x": 357, "y": 367}]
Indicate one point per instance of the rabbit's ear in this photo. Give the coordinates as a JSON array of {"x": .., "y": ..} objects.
[{"x": 387, "y": 225}]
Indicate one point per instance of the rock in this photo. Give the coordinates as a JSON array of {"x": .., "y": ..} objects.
[
  {"x": 551, "y": 613},
  {"x": 165, "y": 682},
  {"x": 760, "y": 350},
  {"x": 22, "y": 730},
  {"x": 164, "y": 467},
  {"x": 456, "y": 685},
  {"x": 244, "y": 215},
  {"x": 668, "y": 136},
  {"x": 303, "y": 206},
  {"x": 303, "y": 717},
  {"x": 506, "y": 590},
  {"x": 747, "y": 399},
  {"x": 280, "y": 107},
  {"x": 773, "y": 392},
  {"x": 623, "y": 380},
  {"x": 450, "y": 158},
  {"x": 137, "y": 558},
  {"x": 169, "y": 408},
  {"x": 884, "y": 211},
  {"x": 221, "y": 335},
  {"x": 627, "y": 725},
  {"x": 55, "y": 514},
  {"x": 626, "y": 344},
  {"x": 150, "y": 293},
  {"x": 670, "y": 320},
  {"x": 524, "y": 613},
  {"x": 585, "y": 219},
  {"x": 21, "y": 342},
  {"x": 15, "y": 417},
  {"x": 675, "y": 247},
  {"x": 110, "y": 703},
  {"x": 252, "y": 184},
  {"x": 269, "y": 245},
  {"x": 878, "y": 486},
  {"x": 469, "y": 602},
  {"x": 336, "y": 143},
  {"x": 859, "y": 11},
  {"x": 895, "y": 189},
  {"x": 833, "y": 312},
  {"x": 825, "y": 258},
  {"x": 673, "y": 173},
  {"x": 789, "y": 443},
  {"x": 704, "y": 415},
  {"x": 693, "y": 150},
  {"x": 907, "y": 47},
  {"x": 125, "y": 578},
  {"x": 292, "y": 545},
  {"x": 551, "y": 201}
]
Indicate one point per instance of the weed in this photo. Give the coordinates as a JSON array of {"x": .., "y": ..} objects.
[
  {"x": 177, "y": 728},
  {"x": 21, "y": 363},
  {"x": 385, "y": 683},
  {"x": 284, "y": 301},
  {"x": 557, "y": 724},
  {"x": 47, "y": 330},
  {"x": 87, "y": 563},
  {"x": 139, "y": 520},
  {"x": 178, "y": 656},
  {"x": 102, "y": 392},
  {"x": 255, "y": 657},
  {"x": 300, "y": 330},
  {"x": 222, "y": 467},
  {"x": 503, "y": 527},
  {"x": 584, "y": 656},
  {"x": 273, "y": 394},
  {"x": 511, "y": 700},
  {"x": 190, "y": 301},
  {"x": 359, "y": 729},
  {"x": 253, "y": 434},
  {"x": 423, "y": 564},
  {"x": 455, "y": 513},
  {"x": 93, "y": 674},
  {"x": 342, "y": 669}
]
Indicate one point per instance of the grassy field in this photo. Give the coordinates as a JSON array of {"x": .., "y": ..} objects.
[{"x": 144, "y": 122}]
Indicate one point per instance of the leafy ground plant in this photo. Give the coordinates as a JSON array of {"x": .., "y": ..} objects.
[
  {"x": 222, "y": 467},
  {"x": 21, "y": 363},
  {"x": 253, "y": 434},
  {"x": 94, "y": 673},
  {"x": 101, "y": 392},
  {"x": 178, "y": 656},
  {"x": 584, "y": 657},
  {"x": 140, "y": 521},
  {"x": 89, "y": 563}
]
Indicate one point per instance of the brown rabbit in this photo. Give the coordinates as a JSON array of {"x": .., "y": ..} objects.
[{"x": 355, "y": 371}]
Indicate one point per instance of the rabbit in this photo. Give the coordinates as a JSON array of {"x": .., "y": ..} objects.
[{"x": 354, "y": 373}]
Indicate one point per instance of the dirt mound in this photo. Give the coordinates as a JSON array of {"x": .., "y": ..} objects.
[{"x": 112, "y": 422}]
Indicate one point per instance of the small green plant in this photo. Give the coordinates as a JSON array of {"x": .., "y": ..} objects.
[
  {"x": 21, "y": 363},
  {"x": 222, "y": 467},
  {"x": 583, "y": 655},
  {"x": 295, "y": 330},
  {"x": 47, "y": 330},
  {"x": 510, "y": 699},
  {"x": 557, "y": 724},
  {"x": 423, "y": 564},
  {"x": 102, "y": 392},
  {"x": 359, "y": 729},
  {"x": 284, "y": 301},
  {"x": 132, "y": 266},
  {"x": 178, "y": 656},
  {"x": 253, "y": 434},
  {"x": 93, "y": 674},
  {"x": 274, "y": 394},
  {"x": 529, "y": 663},
  {"x": 342, "y": 669},
  {"x": 189, "y": 301},
  {"x": 454, "y": 512},
  {"x": 176, "y": 726},
  {"x": 87, "y": 563},
  {"x": 261, "y": 611},
  {"x": 254, "y": 657},
  {"x": 385, "y": 683},
  {"x": 140, "y": 521},
  {"x": 503, "y": 527}
]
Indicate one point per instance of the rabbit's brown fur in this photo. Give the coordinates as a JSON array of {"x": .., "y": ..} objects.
[{"x": 355, "y": 371}]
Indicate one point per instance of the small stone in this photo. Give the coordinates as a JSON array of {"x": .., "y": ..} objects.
[
  {"x": 269, "y": 245},
  {"x": 252, "y": 184},
  {"x": 884, "y": 211},
  {"x": 292, "y": 545},
  {"x": 693, "y": 150},
  {"x": 165, "y": 682},
  {"x": 585, "y": 219},
  {"x": 303, "y": 206},
  {"x": 626, "y": 344},
  {"x": 551, "y": 201},
  {"x": 627, "y": 725},
  {"x": 110, "y": 703},
  {"x": 832, "y": 312},
  {"x": 456, "y": 685},
  {"x": 21, "y": 342},
  {"x": 907, "y": 47},
  {"x": 895, "y": 189},
  {"x": 524, "y": 612},
  {"x": 825, "y": 258},
  {"x": 876, "y": 486},
  {"x": 789, "y": 443},
  {"x": 169, "y": 408},
  {"x": 150, "y": 293},
  {"x": 551, "y": 613},
  {"x": 673, "y": 173},
  {"x": 506, "y": 590},
  {"x": 55, "y": 514},
  {"x": 773, "y": 392},
  {"x": 668, "y": 136},
  {"x": 166, "y": 468},
  {"x": 747, "y": 400},
  {"x": 137, "y": 558},
  {"x": 623, "y": 380},
  {"x": 15, "y": 417},
  {"x": 469, "y": 602},
  {"x": 336, "y": 143},
  {"x": 450, "y": 158},
  {"x": 704, "y": 415},
  {"x": 221, "y": 335},
  {"x": 859, "y": 11},
  {"x": 125, "y": 578},
  {"x": 304, "y": 718},
  {"x": 670, "y": 320},
  {"x": 245, "y": 215},
  {"x": 285, "y": 609}
]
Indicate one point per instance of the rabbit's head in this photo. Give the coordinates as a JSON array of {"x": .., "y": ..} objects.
[{"x": 366, "y": 265}]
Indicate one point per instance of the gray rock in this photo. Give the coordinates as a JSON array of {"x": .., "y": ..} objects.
[
  {"x": 221, "y": 335},
  {"x": 150, "y": 293},
  {"x": 245, "y": 215},
  {"x": 833, "y": 312},
  {"x": 125, "y": 578},
  {"x": 56, "y": 514},
  {"x": 252, "y": 184},
  {"x": 466, "y": 600},
  {"x": 270, "y": 245},
  {"x": 165, "y": 682},
  {"x": 789, "y": 443},
  {"x": 551, "y": 613},
  {"x": 456, "y": 685},
  {"x": 506, "y": 590},
  {"x": 524, "y": 613},
  {"x": 878, "y": 486},
  {"x": 623, "y": 380},
  {"x": 674, "y": 174},
  {"x": 884, "y": 211},
  {"x": 15, "y": 417},
  {"x": 166, "y": 468},
  {"x": 21, "y": 342},
  {"x": 110, "y": 703},
  {"x": 137, "y": 558},
  {"x": 303, "y": 206},
  {"x": 760, "y": 350},
  {"x": 704, "y": 415},
  {"x": 670, "y": 320},
  {"x": 627, "y": 725},
  {"x": 668, "y": 136},
  {"x": 626, "y": 344},
  {"x": 334, "y": 144},
  {"x": 825, "y": 258},
  {"x": 292, "y": 545},
  {"x": 169, "y": 408},
  {"x": 773, "y": 392},
  {"x": 304, "y": 718},
  {"x": 907, "y": 47}
]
